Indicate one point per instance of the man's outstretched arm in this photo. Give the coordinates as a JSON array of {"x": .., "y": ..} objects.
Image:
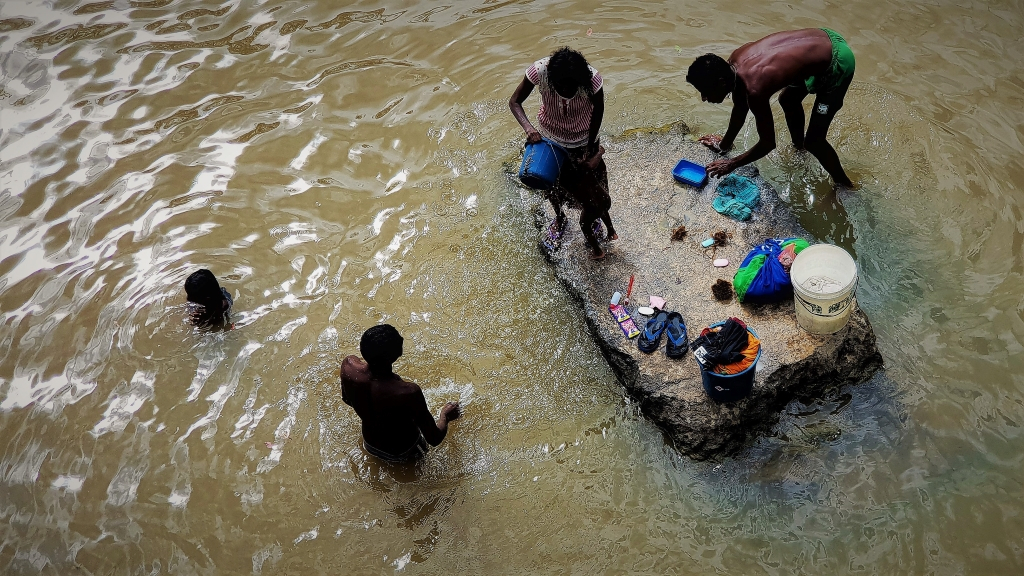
[
  {"x": 736, "y": 121},
  {"x": 434, "y": 431},
  {"x": 765, "y": 140}
]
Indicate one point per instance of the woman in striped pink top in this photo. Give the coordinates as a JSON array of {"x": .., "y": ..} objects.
[{"x": 572, "y": 107}]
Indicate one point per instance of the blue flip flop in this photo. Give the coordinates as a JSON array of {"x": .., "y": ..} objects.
[
  {"x": 675, "y": 328},
  {"x": 650, "y": 338}
]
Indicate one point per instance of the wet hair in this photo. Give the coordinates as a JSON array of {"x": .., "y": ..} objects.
[
  {"x": 570, "y": 67},
  {"x": 380, "y": 346},
  {"x": 201, "y": 287},
  {"x": 708, "y": 72}
]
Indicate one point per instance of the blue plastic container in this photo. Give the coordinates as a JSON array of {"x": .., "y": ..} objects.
[
  {"x": 730, "y": 387},
  {"x": 689, "y": 173},
  {"x": 541, "y": 165}
]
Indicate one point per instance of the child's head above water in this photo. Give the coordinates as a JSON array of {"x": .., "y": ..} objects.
[{"x": 202, "y": 288}]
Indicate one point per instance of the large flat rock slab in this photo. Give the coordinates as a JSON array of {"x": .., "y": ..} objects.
[{"x": 647, "y": 204}]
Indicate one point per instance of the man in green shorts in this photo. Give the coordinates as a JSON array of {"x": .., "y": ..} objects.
[{"x": 799, "y": 62}]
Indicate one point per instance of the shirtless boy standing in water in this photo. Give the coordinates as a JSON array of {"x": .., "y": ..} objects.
[
  {"x": 798, "y": 62},
  {"x": 397, "y": 425}
]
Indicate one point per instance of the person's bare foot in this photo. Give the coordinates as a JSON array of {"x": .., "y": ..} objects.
[
  {"x": 598, "y": 255},
  {"x": 613, "y": 236}
]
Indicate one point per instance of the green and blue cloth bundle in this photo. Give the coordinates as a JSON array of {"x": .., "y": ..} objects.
[{"x": 761, "y": 277}]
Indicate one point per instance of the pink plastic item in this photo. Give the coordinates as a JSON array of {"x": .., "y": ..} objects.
[{"x": 787, "y": 257}]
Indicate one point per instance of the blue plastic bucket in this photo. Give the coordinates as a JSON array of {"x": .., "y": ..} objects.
[
  {"x": 541, "y": 165},
  {"x": 730, "y": 387}
]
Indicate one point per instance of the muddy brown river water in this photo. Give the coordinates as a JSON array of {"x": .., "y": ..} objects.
[{"x": 341, "y": 164}]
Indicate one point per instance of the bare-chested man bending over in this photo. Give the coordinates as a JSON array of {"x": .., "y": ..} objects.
[
  {"x": 798, "y": 62},
  {"x": 397, "y": 425}
]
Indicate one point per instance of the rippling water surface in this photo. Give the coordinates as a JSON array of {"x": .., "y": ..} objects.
[{"x": 341, "y": 165}]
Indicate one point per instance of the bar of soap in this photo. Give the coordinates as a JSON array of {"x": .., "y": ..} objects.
[
  {"x": 721, "y": 262},
  {"x": 645, "y": 310},
  {"x": 707, "y": 244}
]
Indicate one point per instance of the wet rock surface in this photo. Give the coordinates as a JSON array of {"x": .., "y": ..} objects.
[{"x": 647, "y": 206}]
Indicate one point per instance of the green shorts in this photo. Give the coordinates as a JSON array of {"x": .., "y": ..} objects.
[{"x": 832, "y": 85}]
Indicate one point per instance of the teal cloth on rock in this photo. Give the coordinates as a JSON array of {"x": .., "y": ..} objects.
[{"x": 737, "y": 197}]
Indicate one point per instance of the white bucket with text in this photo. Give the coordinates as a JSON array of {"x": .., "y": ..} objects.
[{"x": 824, "y": 281}]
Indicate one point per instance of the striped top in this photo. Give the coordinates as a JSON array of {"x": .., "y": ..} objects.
[{"x": 564, "y": 120}]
